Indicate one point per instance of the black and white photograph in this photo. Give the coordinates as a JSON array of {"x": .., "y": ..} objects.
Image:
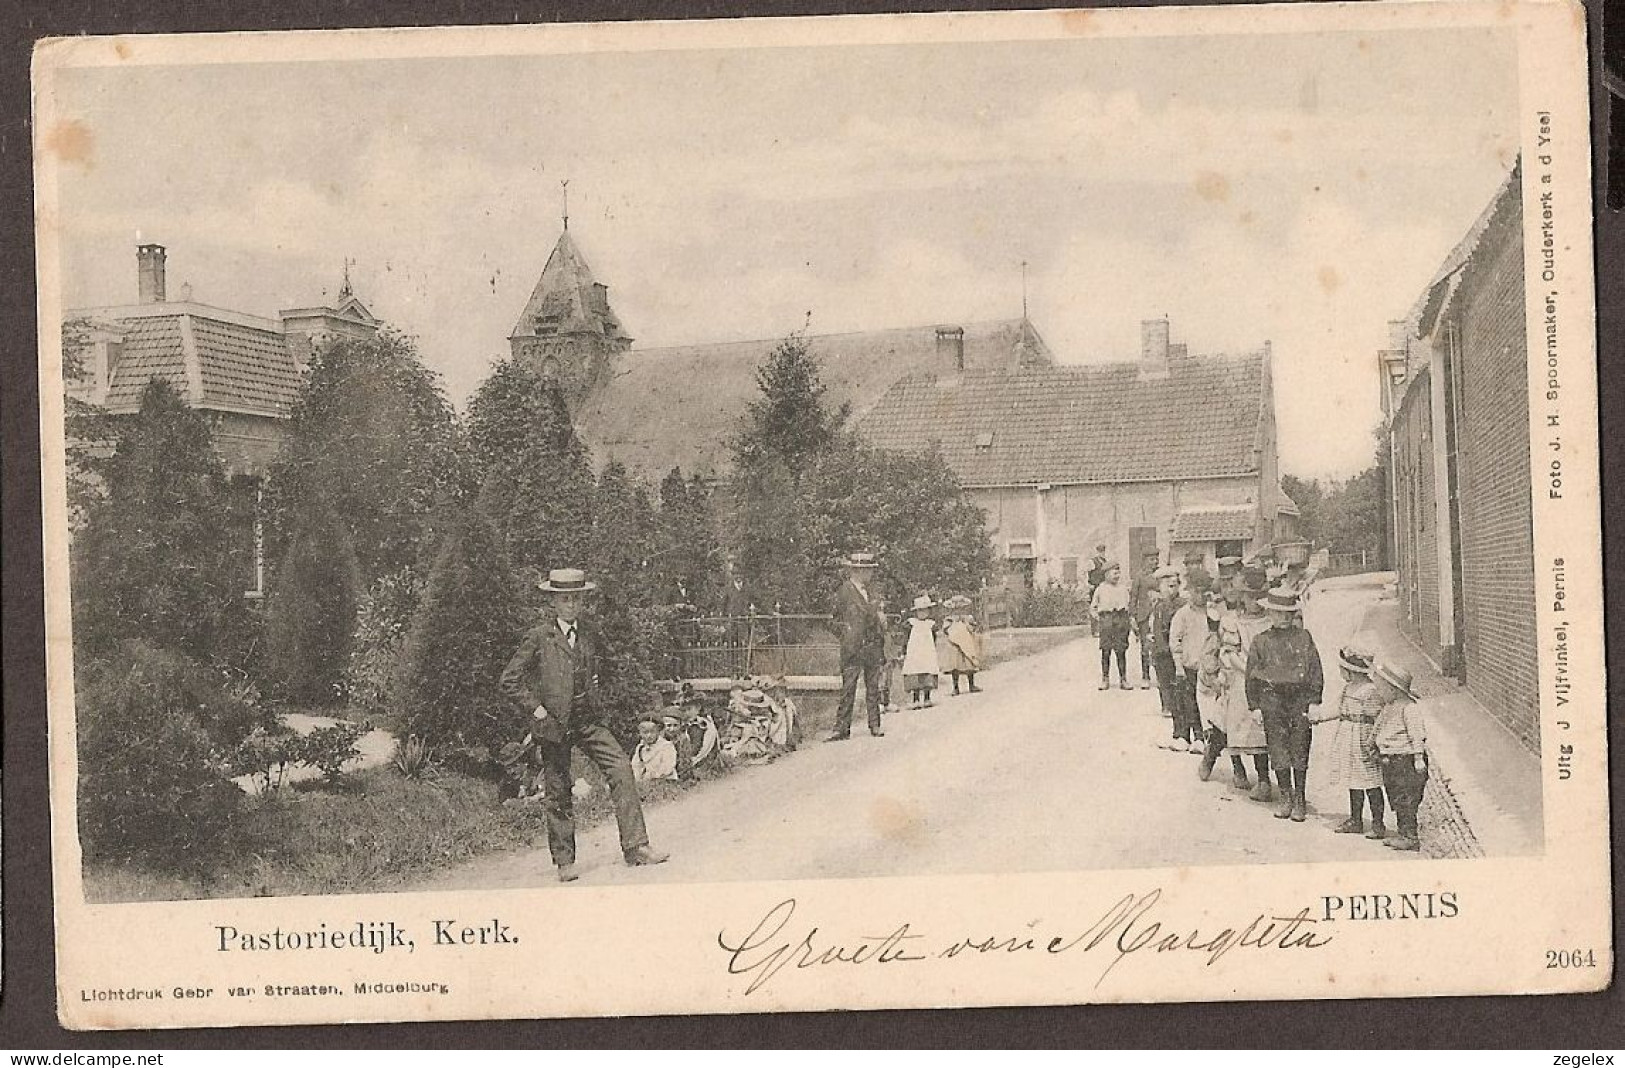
[{"x": 910, "y": 456}]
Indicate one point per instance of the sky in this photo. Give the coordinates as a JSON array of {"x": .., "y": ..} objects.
[{"x": 1285, "y": 188}]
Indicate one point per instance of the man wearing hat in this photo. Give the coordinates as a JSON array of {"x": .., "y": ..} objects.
[
  {"x": 1163, "y": 610},
  {"x": 863, "y": 645},
  {"x": 1197, "y": 578},
  {"x": 554, "y": 676},
  {"x": 1284, "y": 678},
  {"x": 1095, "y": 576},
  {"x": 1229, "y": 574},
  {"x": 1141, "y": 597}
]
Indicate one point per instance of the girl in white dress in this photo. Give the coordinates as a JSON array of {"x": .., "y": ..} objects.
[{"x": 920, "y": 666}]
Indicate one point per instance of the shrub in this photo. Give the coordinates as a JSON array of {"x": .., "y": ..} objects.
[
  {"x": 330, "y": 748},
  {"x": 264, "y": 756},
  {"x": 156, "y": 738},
  {"x": 462, "y": 635},
  {"x": 382, "y": 621},
  {"x": 412, "y": 756},
  {"x": 1050, "y": 606},
  {"x": 312, "y": 612}
]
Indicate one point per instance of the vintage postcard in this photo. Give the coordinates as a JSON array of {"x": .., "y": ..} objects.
[{"x": 831, "y": 513}]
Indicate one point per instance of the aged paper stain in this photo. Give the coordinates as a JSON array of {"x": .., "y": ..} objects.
[
  {"x": 1077, "y": 22},
  {"x": 121, "y": 49},
  {"x": 1329, "y": 279},
  {"x": 895, "y": 820},
  {"x": 70, "y": 141},
  {"x": 1212, "y": 186}
]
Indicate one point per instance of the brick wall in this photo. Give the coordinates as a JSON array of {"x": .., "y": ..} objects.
[
  {"x": 1498, "y": 574},
  {"x": 1415, "y": 518}
]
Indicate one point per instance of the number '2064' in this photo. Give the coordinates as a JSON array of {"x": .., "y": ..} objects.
[{"x": 1571, "y": 958}]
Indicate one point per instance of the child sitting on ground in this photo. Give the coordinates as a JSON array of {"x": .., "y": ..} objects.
[
  {"x": 655, "y": 757},
  {"x": 1400, "y": 738}
]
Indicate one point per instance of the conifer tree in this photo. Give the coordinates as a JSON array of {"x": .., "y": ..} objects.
[
  {"x": 314, "y": 595},
  {"x": 467, "y": 625},
  {"x": 373, "y": 461},
  {"x": 777, "y": 446},
  {"x": 156, "y": 558}
]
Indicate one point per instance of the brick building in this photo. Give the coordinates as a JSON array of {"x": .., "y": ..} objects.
[
  {"x": 1455, "y": 395},
  {"x": 243, "y": 371},
  {"x": 1170, "y": 453}
]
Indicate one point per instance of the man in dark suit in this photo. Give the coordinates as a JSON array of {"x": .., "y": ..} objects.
[
  {"x": 554, "y": 676},
  {"x": 863, "y": 645}
]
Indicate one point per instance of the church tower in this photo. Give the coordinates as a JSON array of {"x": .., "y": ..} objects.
[{"x": 567, "y": 330}]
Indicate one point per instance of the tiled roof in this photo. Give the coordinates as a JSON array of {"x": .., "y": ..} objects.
[
  {"x": 244, "y": 368},
  {"x": 1215, "y": 523},
  {"x": 564, "y": 298},
  {"x": 1101, "y": 423},
  {"x": 241, "y": 367},
  {"x": 678, "y": 406},
  {"x": 151, "y": 349}
]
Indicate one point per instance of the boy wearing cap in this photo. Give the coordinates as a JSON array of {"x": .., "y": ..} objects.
[
  {"x": 1401, "y": 737},
  {"x": 1163, "y": 610},
  {"x": 1187, "y": 638},
  {"x": 1109, "y": 607},
  {"x": 554, "y": 676},
  {"x": 1284, "y": 678}
]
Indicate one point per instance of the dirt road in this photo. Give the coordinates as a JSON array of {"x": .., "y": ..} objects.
[{"x": 1042, "y": 771}]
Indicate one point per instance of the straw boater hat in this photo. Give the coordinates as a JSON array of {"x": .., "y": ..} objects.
[
  {"x": 859, "y": 561},
  {"x": 924, "y": 601},
  {"x": 1281, "y": 600},
  {"x": 1166, "y": 571},
  {"x": 754, "y": 698},
  {"x": 1228, "y": 563},
  {"x": 959, "y": 600},
  {"x": 1395, "y": 676},
  {"x": 567, "y": 580},
  {"x": 1355, "y": 658}
]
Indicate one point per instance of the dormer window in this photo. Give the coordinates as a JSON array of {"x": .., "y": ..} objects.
[{"x": 984, "y": 441}]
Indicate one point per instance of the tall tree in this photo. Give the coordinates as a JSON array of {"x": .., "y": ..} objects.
[
  {"x": 778, "y": 443},
  {"x": 466, "y": 625},
  {"x": 688, "y": 555},
  {"x": 156, "y": 559},
  {"x": 371, "y": 436},
  {"x": 371, "y": 465},
  {"x": 910, "y": 509},
  {"x": 622, "y": 548}
]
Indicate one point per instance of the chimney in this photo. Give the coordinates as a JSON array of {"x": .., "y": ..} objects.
[
  {"x": 951, "y": 348},
  {"x": 150, "y": 273},
  {"x": 1154, "y": 348},
  {"x": 1399, "y": 334}
]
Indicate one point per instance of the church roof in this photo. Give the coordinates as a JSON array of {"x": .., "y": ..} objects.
[
  {"x": 1082, "y": 424},
  {"x": 567, "y": 299},
  {"x": 678, "y": 406}
]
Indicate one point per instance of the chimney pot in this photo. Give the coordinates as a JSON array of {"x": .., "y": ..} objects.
[
  {"x": 1154, "y": 347},
  {"x": 951, "y": 347},
  {"x": 149, "y": 259}
]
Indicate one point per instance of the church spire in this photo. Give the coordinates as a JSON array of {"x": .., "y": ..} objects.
[{"x": 566, "y": 187}]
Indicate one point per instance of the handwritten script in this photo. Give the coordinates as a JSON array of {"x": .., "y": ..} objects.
[{"x": 1130, "y": 926}]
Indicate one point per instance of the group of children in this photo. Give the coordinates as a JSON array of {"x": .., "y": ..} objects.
[
  {"x": 932, "y": 648},
  {"x": 1238, "y": 675},
  {"x": 697, "y": 732}
]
